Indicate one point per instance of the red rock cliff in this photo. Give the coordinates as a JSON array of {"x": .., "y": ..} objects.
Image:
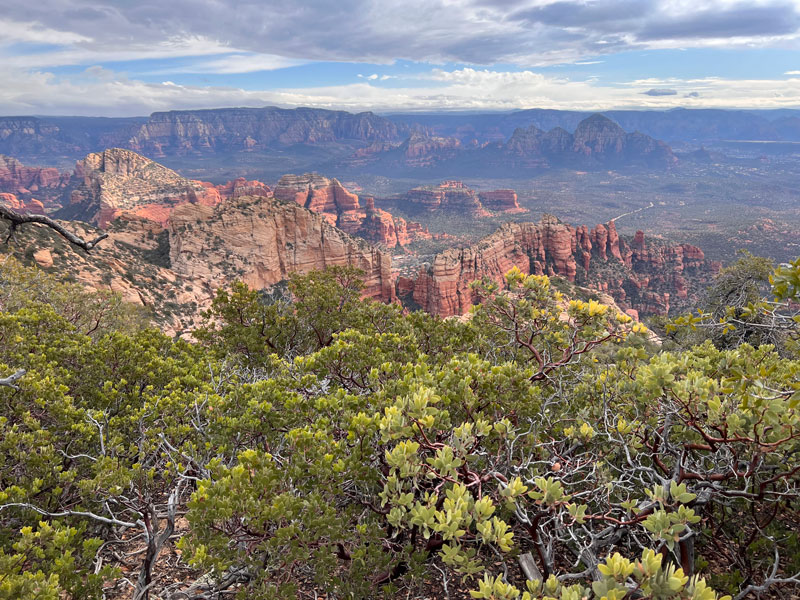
[
  {"x": 342, "y": 208},
  {"x": 118, "y": 181},
  {"x": 45, "y": 184},
  {"x": 646, "y": 277},
  {"x": 261, "y": 241}
]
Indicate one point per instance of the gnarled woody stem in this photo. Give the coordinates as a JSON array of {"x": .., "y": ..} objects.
[
  {"x": 12, "y": 379},
  {"x": 16, "y": 219}
]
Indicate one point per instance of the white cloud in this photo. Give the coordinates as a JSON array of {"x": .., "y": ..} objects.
[
  {"x": 34, "y": 33},
  {"x": 98, "y": 93},
  {"x": 524, "y": 32},
  {"x": 235, "y": 63},
  {"x": 792, "y": 73}
]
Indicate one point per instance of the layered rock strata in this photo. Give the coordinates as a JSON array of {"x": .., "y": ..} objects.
[
  {"x": 176, "y": 270},
  {"x": 261, "y": 241},
  {"x": 343, "y": 209},
  {"x": 456, "y": 196},
  {"x": 185, "y": 132},
  {"x": 45, "y": 185},
  {"x": 118, "y": 181},
  {"x": 645, "y": 278}
]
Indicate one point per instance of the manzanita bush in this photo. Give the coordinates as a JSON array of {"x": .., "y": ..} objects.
[{"x": 312, "y": 444}]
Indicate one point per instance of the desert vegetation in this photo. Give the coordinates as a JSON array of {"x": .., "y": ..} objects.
[{"x": 310, "y": 444}]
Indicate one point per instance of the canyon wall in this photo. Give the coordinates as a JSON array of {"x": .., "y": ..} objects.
[
  {"x": 261, "y": 241},
  {"x": 184, "y": 132},
  {"x": 644, "y": 278},
  {"x": 343, "y": 209}
]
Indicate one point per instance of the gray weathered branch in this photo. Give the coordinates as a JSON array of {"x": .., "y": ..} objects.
[
  {"x": 16, "y": 219},
  {"x": 11, "y": 380}
]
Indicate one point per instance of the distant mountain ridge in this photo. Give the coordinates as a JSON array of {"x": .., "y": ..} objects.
[
  {"x": 304, "y": 139},
  {"x": 248, "y": 129},
  {"x": 598, "y": 142}
]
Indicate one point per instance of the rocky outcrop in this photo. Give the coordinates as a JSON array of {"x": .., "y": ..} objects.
[
  {"x": 343, "y": 209},
  {"x": 262, "y": 240},
  {"x": 381, "y": 227},
  {"x": 501, "y": 201},
  {"x": 455, "y": 196},
  {"x": 176, "y": 270},
  {"x": 325, "y": 196},
  {"x": 44, "y": 184},
  {"x": 240, "y": 187},
  {"x": 33, "y": 206},
  {"x": 118, "y": 181},
  {"x": 183, "y": 132},
  {"x": 443, "y": 288},
  {"x": 643, "y": 277},
  {"x": 597, "y": 141}
]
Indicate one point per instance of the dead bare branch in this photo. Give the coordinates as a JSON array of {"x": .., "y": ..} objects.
[
  {"x": 16, "y": 219},
  {"x": 12, "y": 379}
]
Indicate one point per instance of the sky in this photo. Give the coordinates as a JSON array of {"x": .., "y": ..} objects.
[{"x": 134, "y": 57}]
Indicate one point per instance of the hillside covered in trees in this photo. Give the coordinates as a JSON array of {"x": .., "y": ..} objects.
[{"x": 311, "y": 444}]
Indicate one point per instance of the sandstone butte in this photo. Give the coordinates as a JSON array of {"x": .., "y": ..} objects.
[
  {"x": 641, "y": 278},
  {"x": 455, "y": 196},
  {"x": 118, "y": 181},
  {"x": 31, "y": 206},
  {"x": 176, "y": 270},
  {"x": 343, "y": 209}
]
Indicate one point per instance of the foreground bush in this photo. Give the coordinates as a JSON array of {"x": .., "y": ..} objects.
[{"x": 312, "y": 443}]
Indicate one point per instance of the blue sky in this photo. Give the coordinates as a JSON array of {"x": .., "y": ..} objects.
[{"x": 123, "y": 58}]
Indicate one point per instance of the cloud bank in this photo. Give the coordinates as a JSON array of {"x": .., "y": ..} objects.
[{"x": 49, "y": 51}]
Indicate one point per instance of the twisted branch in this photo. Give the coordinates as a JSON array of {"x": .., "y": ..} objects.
[{"x": 16, "y": 219}]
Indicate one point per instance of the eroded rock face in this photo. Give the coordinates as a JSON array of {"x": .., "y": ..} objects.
[
  {"x": 420, "y": 150},
  {"x": 240, "y": 187},
  {"x": 455, "y": 196},
  {"x": 500, "y": 201},
  {"x": 645, "y": 278},
  {"x": 184, "y": 132},
  {"x": 343, "y": 209},
  {"x": 33, "y": 207},
  {"x": 261, "y": 241},
  {"x": 443, "y": 288},
  {"x": 43, "y": 184},
  {"x": 176, "y": 271},
  {"x": 118, "y": 181},
  {"x": 322, "y": 195}
]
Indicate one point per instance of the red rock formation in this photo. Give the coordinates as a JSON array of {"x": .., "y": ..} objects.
[
  {"x": 31, "y": 206},
  {"x": 455, "y": 196},
  {"x": 443, "y": 288},
  {"x": 271, "y": 239},
  {"x": 342, "y": 208},
  {"x": 241, "y": 187},
  {"x": 117, "y": 181},
  {"x": 449, "y": 195},
  {"x": 14, "y": 176},
  {"x": 613, "y": 241},
  {"x": 646, "y": 278},
  {"x": 44, "y": 183},
  {"x": 325, "y": 196},
  {"x": 501, "y": 201}
]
